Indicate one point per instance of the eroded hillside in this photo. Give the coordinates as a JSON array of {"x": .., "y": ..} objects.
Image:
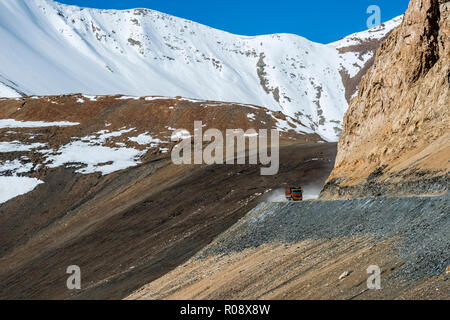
[{"x": 107, "y": 196}]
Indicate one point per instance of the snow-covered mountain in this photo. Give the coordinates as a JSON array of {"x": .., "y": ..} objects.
[
  {"x": 49, "y": 48},
  {"x": 357, "y": 53}
]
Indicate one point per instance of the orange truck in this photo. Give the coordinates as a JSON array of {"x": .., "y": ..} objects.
[{"x": 294, "y": 194}]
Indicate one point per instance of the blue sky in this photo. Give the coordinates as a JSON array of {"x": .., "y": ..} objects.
[{"x": 318, "y": 20}]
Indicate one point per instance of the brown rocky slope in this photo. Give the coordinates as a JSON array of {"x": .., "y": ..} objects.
[
  {"x": 129, "y": 227},
  {"x": 396, "y": 131}
]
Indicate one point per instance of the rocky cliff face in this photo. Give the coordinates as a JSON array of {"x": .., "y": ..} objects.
[{"x": 396, "y": 131}]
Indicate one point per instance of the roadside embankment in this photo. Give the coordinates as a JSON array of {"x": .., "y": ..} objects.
[{"x": 320, "y": 250}]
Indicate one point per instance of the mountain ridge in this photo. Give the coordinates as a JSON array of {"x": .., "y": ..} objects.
[{"x": 145, "y": 52}]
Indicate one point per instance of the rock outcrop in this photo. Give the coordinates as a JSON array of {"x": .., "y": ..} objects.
[{"x": 396, "y": 131}]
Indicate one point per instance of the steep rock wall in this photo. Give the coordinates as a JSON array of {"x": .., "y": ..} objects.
[{"x": 396, "y": 131}]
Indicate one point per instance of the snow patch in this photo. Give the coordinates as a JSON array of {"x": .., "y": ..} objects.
[
  {"x": 8, "y": 92},
  {"x": 11, "y": 187},
  {"x": 15, "y": 166},
  {"x": 106, "y": 134},
  {"x": 11, "y": 123},
  {"x": 128, "y": 98},
  {"x": 17, "y": 146},
  {"x": 92, "y": 98},
  {"x": 180, "y": 134},
  {"x": 95, "y": 158},
  {"x": 145, "y": 139},
  {"x": 154, "y": 98}
]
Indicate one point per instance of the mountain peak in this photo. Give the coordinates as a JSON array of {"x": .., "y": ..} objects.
[{"x": 62, "y": 49}]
